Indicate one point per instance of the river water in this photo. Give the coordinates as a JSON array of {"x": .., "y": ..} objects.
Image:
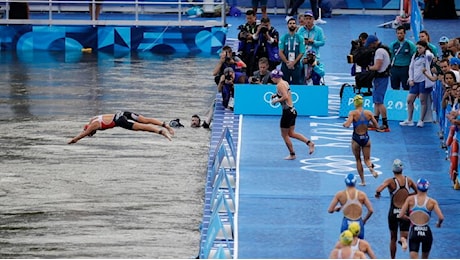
[{"x": 119, "y": 194}]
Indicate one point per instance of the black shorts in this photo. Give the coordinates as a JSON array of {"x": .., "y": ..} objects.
[
  {"x": 394, "y": 222},
  {"x": 420, "y": 235},
  {"x": 121, "y": 119},
  {"x": 288, "y": 118}
]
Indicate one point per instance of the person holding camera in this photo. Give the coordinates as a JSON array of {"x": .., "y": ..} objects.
[
  {"x": 312, "y": 34},
  {"x": 356, "y": 54},
  {"x": 291, "y": 51},
  {"x": 381, "y": 77},
  {"x": 225, "y": 87},
  {"x": 261, "y": 76},
  {"x": 313, "y": 69},
  {"x": 266, "y": 38},
  {"x": 228, "y": 59},
  {"x": 247, "y": 42}
]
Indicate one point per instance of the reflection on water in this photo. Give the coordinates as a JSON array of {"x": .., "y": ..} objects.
[{"x": 119, "y": 194}]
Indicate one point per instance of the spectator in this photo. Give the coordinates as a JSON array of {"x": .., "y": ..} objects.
[
  {"x": 419, "y": 208},
  {"x": 455, "y": 64},
  {"x": 263, "y": 7},
  {"x": 291, "y": 50},
  {"x": 445, "y": 66},
  {"x": 452, "y": 142},
  {"x": 228, "y": 59},
  {"x": 312, "y": 34},
  {"x": 267, "y": 38},
  {"x": 315, "y": 5},
  {"x": 226, "y": 87},
  {"x": 420, "y": 81},
  {"x": 352, "y": 201},
  {"x": 294, "y": 9},
  {"x": 424, "y": 36},
  {"x": 247, "y": 43},
  {"x": 381, "y": 66},
  {"x": 313, "y": 69},
  {"x": 399, "y": 188},
  {"x": 401, "y": 51},
  {"x": 445, "y": 52},
  {"x": 261, "y": 76}
]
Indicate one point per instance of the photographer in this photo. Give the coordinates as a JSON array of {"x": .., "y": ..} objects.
[
  {"x": 228, "y": 59},
  {"x": 266, "y": 38},
  {"x": 261, "y": 76},
  {"x": 313, "y": 69},
  {"x": 359, "y": 56},
  {"x": 247, "y": 43},
  {"x": 225, "y": 87}
]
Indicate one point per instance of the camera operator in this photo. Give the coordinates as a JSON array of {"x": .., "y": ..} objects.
[
  {"x": 356, "y": 54},
  {"x": 261, "y": 76},
  {"x": 313, "y": 69},
  {"x": 247, "y": 43},
  {"x": 225, "y": 86},
  {"x": 228, "y": 59},
  {"x": 266, "y": 38}
]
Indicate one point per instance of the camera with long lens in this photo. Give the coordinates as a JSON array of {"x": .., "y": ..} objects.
[
  {"x": 263, "y": 29},
  {"x": 228, "y": 76},
  {"x": 229, "y": 58}
]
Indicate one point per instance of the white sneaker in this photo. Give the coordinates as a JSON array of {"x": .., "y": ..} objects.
[
  {"x": 320, "y": 21},
  {"x": 288, "y": 17},
  {"x": 420, "y": 123},
  {"x": 406, "y": 123}
]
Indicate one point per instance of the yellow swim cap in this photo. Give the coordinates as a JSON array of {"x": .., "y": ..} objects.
[
  {"x": 346, "y": 238},
  {"x": 354, "y": 228},
  {"x": 358, "y": 100}
]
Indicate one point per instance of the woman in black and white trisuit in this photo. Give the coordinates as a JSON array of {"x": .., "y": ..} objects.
[{"x": 287, "y": 124}]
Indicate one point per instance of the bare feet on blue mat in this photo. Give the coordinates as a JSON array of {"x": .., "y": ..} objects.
[
  {"x": 311, "y": 146},
  {"x": 403, "y": 243},
  {"x": 290, "y": 157}
]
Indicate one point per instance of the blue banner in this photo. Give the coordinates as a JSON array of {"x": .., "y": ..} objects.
[
  {"x": 416, "y": 19},
  {"x": 395, "y": 102},
  {"x": 253, "y": 99}
]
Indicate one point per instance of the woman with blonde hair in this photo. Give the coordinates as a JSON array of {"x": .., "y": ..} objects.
[{"x": 360, "y": 141}]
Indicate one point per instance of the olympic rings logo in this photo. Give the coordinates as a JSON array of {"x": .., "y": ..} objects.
[
  {"x": 268, "y": 98},
  {"x": 335, "y": 164}
]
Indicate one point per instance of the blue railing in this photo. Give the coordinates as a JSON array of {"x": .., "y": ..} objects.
[
  {"x": 131, "y": 12},
  {"x": 218, "y": 225}
]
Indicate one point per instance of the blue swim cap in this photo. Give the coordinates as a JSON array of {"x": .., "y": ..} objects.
[
  {"x": 423, "y": 184},
  {"x": 350, "y": 180}
]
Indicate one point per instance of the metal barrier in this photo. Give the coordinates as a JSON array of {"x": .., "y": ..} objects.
[{"x": 136, "y": 8}]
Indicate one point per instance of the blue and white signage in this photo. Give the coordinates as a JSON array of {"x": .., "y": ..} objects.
[
  {"x": 251, "y": 99},
  {"x": 395, "y": 102}
]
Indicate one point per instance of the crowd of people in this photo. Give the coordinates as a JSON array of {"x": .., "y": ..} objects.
[{"x": 426, "y": 73}]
